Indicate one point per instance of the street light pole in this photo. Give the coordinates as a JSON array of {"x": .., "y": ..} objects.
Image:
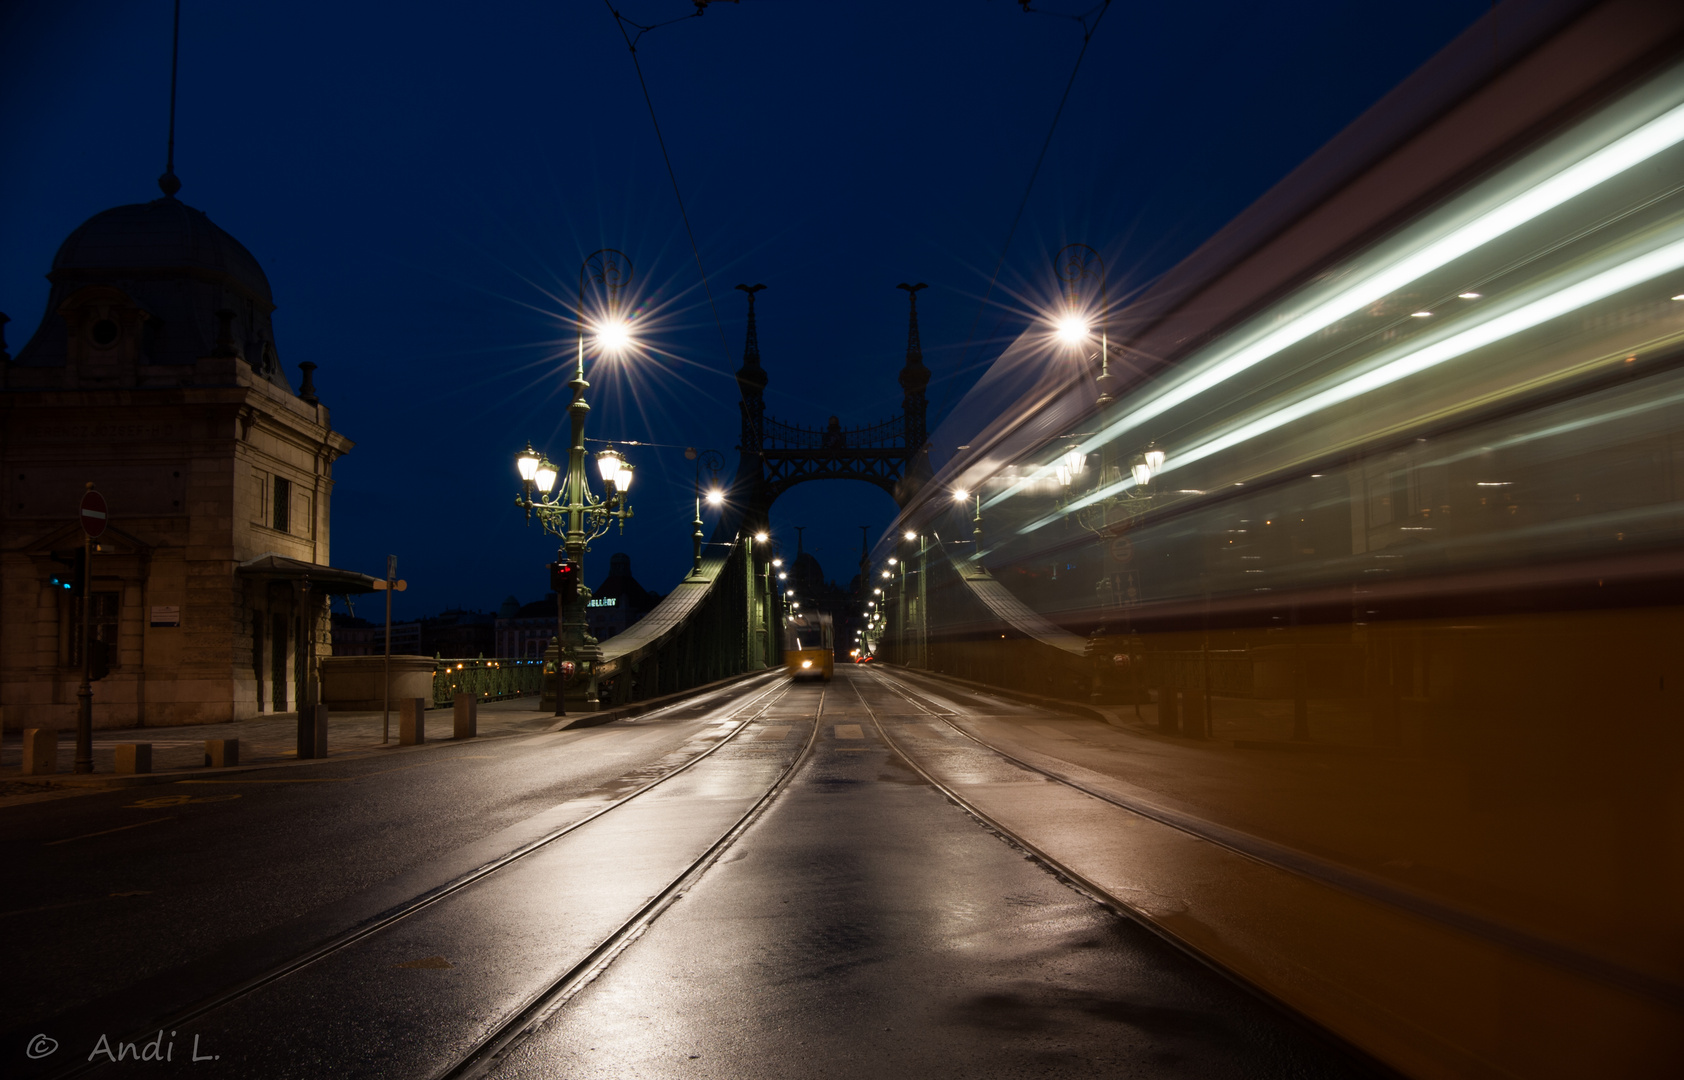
[
  {"x": 714, "y": 461},
  {"x": 575, "y": 514}
]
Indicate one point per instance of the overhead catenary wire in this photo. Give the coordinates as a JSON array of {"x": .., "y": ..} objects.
[
  {"x": 1023, "y": 203},
  {"x": 620, "y": 22}
]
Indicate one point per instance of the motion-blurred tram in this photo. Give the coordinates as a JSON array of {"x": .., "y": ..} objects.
[
  {"x": 1366, "y": 529},
  {"x": 809, "y": 645}
]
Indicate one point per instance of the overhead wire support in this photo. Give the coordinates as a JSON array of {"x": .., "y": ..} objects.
[
  {"x": 622, "y": 22},
  {"x": 1087, "y": 38}
]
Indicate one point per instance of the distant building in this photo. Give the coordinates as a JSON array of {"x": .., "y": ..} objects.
[
  {"x": 353, "y": 636},
  {"x": 524, "y": 631},
  {"x": 619, "y": 601},
  {"x": 459, "y": 634}
]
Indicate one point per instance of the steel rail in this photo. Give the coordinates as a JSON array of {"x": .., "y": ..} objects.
[
  {"x": 385, "y": 920},
  {"x": 1290, "y": 860},
  {"x": 494, "y": 1048},
  {"x": 1091, "y": 889}
]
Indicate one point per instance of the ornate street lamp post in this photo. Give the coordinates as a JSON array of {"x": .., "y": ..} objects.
[
  {"x": 575, "y": 513},
  {"x": 714, "y": 461}
]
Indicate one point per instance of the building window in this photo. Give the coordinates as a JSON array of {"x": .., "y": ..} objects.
[
  {"x": 103, "y": 608},
  {"x": 281, "y": 519}
]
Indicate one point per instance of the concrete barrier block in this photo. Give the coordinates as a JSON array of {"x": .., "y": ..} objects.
[
  {"x": 40, "y": 751},
  {"x": 412, "y": 721},
  {"x": 221, "y": 753},
  {"x": 467, "y": 716},
  {"x": 134, "y": 757}
]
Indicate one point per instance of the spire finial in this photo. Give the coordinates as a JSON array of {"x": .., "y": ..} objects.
[
  {"x": 168, "y": 183},
  {"x": 914, "y": 376}
]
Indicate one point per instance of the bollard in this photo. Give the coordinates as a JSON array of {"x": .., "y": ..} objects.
[
  {"x": 134, "y": 757},
  {"x": 1169, "y": 718},
  {"x": 467, "y": 716},
  {"x": 40, "y": 751},
  {"x": 1195, "y": 716},
  {"x": 412, "y": 721},
  {"x": 221, "y": 753},
  {"x": 312, "y": 731}
]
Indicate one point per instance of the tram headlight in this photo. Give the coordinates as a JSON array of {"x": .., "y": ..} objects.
[{"x": 806, "y": 663}]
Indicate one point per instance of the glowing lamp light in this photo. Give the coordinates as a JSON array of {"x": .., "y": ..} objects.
[
  {"x": 1142, "y": 473},
  {"x": 526, "y": 463},
  {"x": 778, "y": 562},
  {"x": 609, "y": 463},
  {"x": 1155, "y": 461},
  {"x": 1063, "y": 475},
  {"x": 960, "y": 494},
  {"x": 760, "y": 538},
  {"x": 782, "y": 576},
  {"x": 613, "y": 336},
  {"x": 544, "y": 476},
  {"x": 1420, "y": 314},
  {"x": 1072, "y": 329},
  {"x": 715, "y": 497},
  {"x": 1476, "y": 296},
  {"x": 1075, "y": 461},
  {"x": 893, "y": 561},
  {"x": 909, "y": 535},
  {"x": 806, "y": 663},
  {"x": 622, "y": 479},
  {"x": 885, "y": 573}
]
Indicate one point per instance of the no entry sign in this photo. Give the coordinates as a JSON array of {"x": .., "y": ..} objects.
[{"x": 93, "y": 513}]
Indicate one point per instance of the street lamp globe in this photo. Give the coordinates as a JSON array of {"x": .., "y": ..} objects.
[
  {"x": 1142, "y": 473},
  {"x": 1155, "y": 461},
  {"x": 544, "y": 476},
  {"x": 909, "y": 535},
  {"x": 613, "y": 336},
  {"x": 760, "y": 538},
  {"x": 526, "y": 463},
  {"x": 609, "y": 463},
  {"x": 1075, "y": 460},
  {"x": 715, "y": 497},
  {"x": 1072, "y": 329},
  {"x": 960, "y": 494},
  {"x": 623, "y": 478}
]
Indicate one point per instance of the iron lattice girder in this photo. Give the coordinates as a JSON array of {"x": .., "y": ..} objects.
[{"x": 786, "y": 468}]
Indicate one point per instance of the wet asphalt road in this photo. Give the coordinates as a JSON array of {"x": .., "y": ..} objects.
[
  {"x": 862, "y": 925},
  {"x": 867, "y": 927}
]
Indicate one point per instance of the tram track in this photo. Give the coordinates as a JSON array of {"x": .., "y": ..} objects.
[
  {"x": 540, "y": 1006},
  {"x": 492, "y": 1050},
  {"x": 1280, "y": 857}
]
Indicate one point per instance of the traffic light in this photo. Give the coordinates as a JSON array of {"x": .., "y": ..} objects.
[
  {"x": 70, "y": 580},
  {"x": 564, "y": 579}
]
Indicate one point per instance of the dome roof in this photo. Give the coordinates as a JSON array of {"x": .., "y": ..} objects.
[{"x": 162, "y": 234}]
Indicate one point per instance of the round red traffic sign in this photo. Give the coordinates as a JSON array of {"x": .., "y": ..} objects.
[{"x": 93, "y": 513}]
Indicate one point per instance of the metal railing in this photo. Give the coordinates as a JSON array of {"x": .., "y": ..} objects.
[{"x": 497, "y": 679}]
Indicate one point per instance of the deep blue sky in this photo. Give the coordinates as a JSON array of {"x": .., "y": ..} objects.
[{"x": 421, "y": 181}]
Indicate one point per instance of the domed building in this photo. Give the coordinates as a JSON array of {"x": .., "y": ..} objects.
[{"x": 154, "y": 375}]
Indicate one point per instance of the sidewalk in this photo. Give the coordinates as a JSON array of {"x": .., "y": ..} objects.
[
  {"x": 270, "y": 741},
  {"x": 264, "y": 741}
]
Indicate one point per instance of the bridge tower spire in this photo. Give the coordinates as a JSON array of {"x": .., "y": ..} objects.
[
  {"x": 914, "y": 376},
  {"x": 751, "y": 381}
]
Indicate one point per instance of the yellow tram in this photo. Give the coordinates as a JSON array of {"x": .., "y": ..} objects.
[{"x": 809, "y": 646}]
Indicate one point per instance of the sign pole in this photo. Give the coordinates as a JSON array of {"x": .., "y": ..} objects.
[
  {"x": 386, "y": 672},
  {"x": 93, "y": 517},
  {"x": 85, "y": 692}
]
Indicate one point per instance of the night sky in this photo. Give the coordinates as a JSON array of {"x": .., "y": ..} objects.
[{"x": 420, "y": 183}]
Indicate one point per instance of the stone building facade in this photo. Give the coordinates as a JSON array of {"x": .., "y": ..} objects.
[{"x": 154, "y": 375}]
